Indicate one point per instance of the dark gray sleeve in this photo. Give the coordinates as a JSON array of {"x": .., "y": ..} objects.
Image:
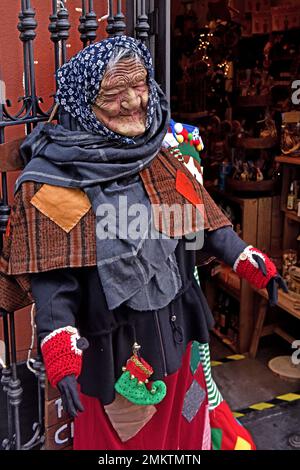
[
  {"x": 224, "y": 244},
  {"x": 57, "y": 295}
]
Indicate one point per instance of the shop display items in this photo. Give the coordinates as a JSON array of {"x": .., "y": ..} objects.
[{"x": 289, "y": 261}]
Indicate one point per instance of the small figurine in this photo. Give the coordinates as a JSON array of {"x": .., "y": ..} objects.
[
  {"x": 252, "y": 171},
  {"x": 260, "y": 176},
  {"x": 245, "y": 174},
  {"x": 238, "y": 170}
]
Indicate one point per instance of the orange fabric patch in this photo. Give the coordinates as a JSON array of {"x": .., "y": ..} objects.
[
  {"x": 64, "y": 206},
  {"x": 185, "y": 187}
]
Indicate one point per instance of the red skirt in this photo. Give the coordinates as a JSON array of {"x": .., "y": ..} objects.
[{"x": 181, "y": 420}]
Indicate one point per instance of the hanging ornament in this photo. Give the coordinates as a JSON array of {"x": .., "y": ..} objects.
[
  {"x": 133, "y": 382},
  {"x": 187, "y": 134}
]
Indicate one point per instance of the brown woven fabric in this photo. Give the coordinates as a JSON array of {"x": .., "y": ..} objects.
[
  {"x": 160, "y": 183},
  {"x": 36, "y": 243},
  {"x": 14, "y": 292}
]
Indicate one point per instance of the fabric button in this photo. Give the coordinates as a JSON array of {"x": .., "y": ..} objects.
[{"x": 82, "y": 343}]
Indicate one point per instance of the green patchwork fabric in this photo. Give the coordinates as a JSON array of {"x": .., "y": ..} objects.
[
  {"x": 216, "y": 437},
  {"x": 188, "y": 149},
  {"x": 195, "y": 357}
]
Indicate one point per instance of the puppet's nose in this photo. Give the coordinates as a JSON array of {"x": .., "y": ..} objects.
[{"x": 132, "y": 101}]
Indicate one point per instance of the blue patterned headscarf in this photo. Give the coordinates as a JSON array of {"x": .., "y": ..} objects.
[{"x": 79, "y": 81}]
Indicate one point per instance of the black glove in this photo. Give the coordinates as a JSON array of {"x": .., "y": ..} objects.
[
  {"x": 68, "y": 387},
  {"x": 273, "y": 285},
  {"x": 70, "y": 396}
]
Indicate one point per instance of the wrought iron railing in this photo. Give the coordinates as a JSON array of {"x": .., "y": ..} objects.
[{"x": 30, "y": 113}]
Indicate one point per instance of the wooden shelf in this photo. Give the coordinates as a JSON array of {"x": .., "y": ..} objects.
[
  {"x": 256, "y": 101},
  {"x": 261, "y": 224},
  {"x": 235, "y": 293},
  {"x": 256, "y": 143},
  {"x": 285, "y": 302},
  {"x": 292, "y": 215},
  {"x": 266, "y": 35},
  {"x": 282, "y": 82},
  {"x": 288, "y": 160},
  {"x": 192, "y": 116}
]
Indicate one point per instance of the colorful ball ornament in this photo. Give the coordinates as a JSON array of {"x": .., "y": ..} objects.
[
  {"x": 187, "y": 134},
  {"x": 178, "y": 128}
]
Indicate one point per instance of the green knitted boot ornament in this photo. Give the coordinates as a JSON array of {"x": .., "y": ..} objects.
[{"x": 133, "y": 381}]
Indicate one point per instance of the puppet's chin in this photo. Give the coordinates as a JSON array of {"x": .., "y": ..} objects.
[
  {"x": 128, "y": 125},
  {"x": 130, "y": 128}
]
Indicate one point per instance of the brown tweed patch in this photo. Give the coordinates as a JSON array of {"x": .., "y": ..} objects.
[
  {"x": 160, "y": 184},
  {"x": 15, "y": 293}
]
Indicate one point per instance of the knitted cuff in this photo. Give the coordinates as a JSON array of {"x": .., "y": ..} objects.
[
  {"x": 247, "y": 268},
  {"x": 61, "y": 354}
]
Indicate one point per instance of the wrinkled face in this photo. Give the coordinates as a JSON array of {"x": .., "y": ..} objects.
[{"x": 121, "y": 104}]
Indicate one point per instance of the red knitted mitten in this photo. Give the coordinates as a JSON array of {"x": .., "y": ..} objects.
[
  {"x": 247, "y": 268},
  {"x": 61, "y": 354}
]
